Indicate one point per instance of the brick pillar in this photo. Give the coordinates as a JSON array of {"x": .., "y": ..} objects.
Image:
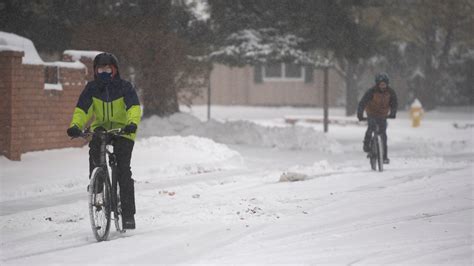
[
  {"x": 88, "y": 62},
  {"x": 10, "y": 64}
]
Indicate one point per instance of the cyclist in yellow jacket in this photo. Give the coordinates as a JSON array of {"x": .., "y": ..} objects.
[{"x": 113, "y": 102}]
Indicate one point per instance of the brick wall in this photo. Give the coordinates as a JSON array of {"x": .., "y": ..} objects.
[
  {"x": 31, "y": 117},
  {"x": 7, "y": 62}
]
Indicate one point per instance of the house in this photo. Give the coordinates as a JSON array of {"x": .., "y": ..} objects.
[{"x": 278, "y": 84}]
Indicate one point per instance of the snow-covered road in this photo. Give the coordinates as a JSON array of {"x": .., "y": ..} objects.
[{"x": 200, "y": 202}]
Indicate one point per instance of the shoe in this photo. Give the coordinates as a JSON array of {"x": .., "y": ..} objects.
[
  {"x": 366, "y": 147},
  {"x": 128, "y": 222},
  {"x": 386, "y": 161}
]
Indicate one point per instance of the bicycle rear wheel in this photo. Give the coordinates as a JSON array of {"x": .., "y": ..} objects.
[
  {"x": 379, "y": 153},
  {"x": 99, "y": 203},
  {"x": 118, "y": 217}
]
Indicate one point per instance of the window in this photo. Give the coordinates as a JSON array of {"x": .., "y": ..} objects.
[
  {"x": 293, "y": 71},
  {"x": 283, "y": 72},
  {"x": 273, "y": 71},
  {"x": 51, "y": 74}
]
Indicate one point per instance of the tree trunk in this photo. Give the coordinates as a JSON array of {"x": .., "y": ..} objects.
[
  {"x": 160, "y": 102},
  {"x": 351, "y": 90}
]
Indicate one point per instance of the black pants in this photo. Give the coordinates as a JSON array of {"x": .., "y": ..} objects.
[
  {"x": 123, "y": 151},
  {"x": 382, "y": 123}
]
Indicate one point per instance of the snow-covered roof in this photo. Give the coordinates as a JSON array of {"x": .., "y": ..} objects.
[
  {"x": 77, "y": 54},
  {"x": 13, "y": 42}
]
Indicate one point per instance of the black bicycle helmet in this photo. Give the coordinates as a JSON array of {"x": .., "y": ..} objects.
[
  {"x": 382, "y": 76},
  {"x": 105, "y": 59}
]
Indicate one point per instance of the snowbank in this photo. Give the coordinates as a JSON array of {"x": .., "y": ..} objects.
[
  {"x": 158, "y": 157},
  {"x": 240, "y": 132},
  {"x": 152, "y": 159}
]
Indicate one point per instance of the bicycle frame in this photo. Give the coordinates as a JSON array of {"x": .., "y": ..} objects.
[{"x": 106, "y": 139}]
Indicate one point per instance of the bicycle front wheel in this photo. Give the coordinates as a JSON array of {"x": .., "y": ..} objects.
[
  {"x": 373, "y": 154},
  {"x": 379, "y": 153},
  {"x": 99, "y": 203}
]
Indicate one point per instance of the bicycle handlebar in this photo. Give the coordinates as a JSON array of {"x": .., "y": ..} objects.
[{"x": 114, "y": 131}]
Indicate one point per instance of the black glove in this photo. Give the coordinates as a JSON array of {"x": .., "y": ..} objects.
[
  {"x": 392, "y": 115},
  {"x": 99, "y": 129},
  {"x": 74, "y": 132},
  {"x": 360, "y": 117},
  {"x": 130, "y": 128}
]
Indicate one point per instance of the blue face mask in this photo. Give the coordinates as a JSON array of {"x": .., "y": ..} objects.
[{"x": 104, "y": 76}]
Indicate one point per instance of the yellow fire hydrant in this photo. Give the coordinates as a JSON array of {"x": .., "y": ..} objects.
[{"x": 416, "y": 112}]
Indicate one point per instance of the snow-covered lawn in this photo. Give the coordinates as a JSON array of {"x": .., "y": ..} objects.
[{"x": 210, "y": 193}]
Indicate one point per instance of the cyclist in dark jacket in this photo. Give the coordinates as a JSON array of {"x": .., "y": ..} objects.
[
  {"x": 379, "y": 102},
  {"x": 113, "y": 102}
]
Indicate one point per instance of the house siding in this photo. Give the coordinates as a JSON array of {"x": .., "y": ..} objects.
[{"x": 237, "y": 86}]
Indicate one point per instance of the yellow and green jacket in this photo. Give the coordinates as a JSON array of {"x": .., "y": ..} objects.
[{"x": 114, "y": 104}]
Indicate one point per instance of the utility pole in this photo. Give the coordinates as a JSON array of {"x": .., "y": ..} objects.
[
  {"x": 326, "y": 98},
  {"x": 209, "y": 95}
]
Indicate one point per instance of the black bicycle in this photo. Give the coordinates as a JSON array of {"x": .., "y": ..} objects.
[
  {"x": 376, "y": 151},
  {"x": 103, "y": 189}
]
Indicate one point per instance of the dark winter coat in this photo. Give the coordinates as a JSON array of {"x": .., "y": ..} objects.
[
  {"x": 378, "y": 103},
  {"x": 114, "y": 105}
]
